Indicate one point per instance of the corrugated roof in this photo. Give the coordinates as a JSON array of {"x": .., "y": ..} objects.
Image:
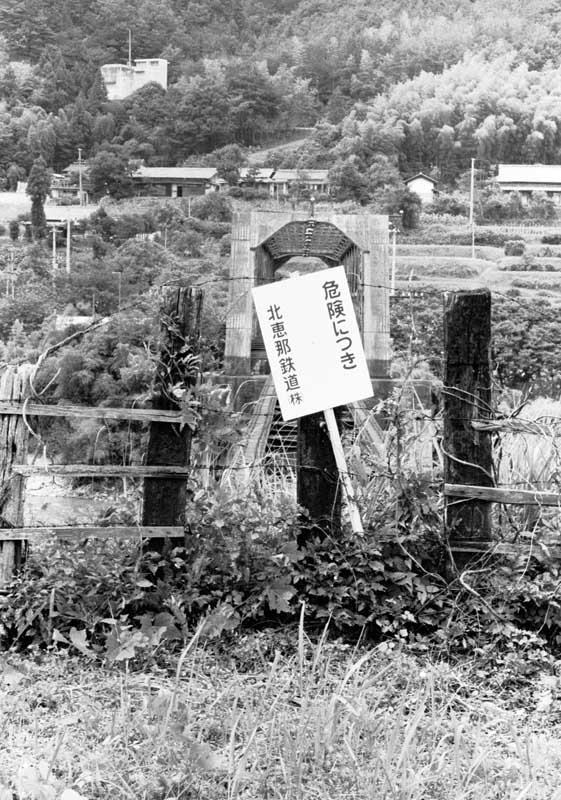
[
  {"x": 178, "y": 173},
  {"x": 529, "y": 173}
]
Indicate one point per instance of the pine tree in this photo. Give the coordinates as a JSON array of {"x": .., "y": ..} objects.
[{"x": 38, "y": 187}]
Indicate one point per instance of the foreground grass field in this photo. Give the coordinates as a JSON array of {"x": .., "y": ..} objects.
[{"x": 277, "y": 716}]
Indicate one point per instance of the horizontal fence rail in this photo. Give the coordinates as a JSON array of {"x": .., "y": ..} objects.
[
  {"x": 100, "y": 471},
  {"x": 523, "y": 549},
  {"x": 520, "y": 497},
  {"x": 24, "y": 408},
  {"x": 79, "y": 533}
]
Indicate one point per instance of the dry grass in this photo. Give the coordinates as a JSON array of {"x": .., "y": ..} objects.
[
  {"x": 322, "y": 721},
  {"x": 532, "y": 460}
]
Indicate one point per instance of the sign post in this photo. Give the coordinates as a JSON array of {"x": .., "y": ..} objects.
[{"x": 315, "y": 353}]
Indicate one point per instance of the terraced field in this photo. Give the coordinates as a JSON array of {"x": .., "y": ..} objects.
[{"x": 449, "y": 267}]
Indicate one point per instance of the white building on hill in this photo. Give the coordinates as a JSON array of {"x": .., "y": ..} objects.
[
  {"x": 423, "y": 186},
  {"x": 124, "y": 79}
]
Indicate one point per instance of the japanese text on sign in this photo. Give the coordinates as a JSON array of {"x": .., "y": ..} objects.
[
  {"x": 313, "y": 342},
  {"x": 336, "y": 311},
  {"x": 282, "y": 352}
]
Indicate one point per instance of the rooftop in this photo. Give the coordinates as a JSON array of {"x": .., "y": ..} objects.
[
  {"x": 319, "y": 175},
  {"x": 529, "y": 173},
  {"x": 178, "y": 173},
  {"x": 420, "y": 175}
]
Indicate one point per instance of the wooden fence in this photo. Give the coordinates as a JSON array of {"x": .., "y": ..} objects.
[
  {"x": 169, "y": 440},
  {"x": 469, "y": 489},
  {"x": 469, "y": 483}
]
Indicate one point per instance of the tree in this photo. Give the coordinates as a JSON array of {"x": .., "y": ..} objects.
[
  {"x": 348, "y": 182},
  {"x": 255, "y": 102},
  {"x": 26, "y": 27},
  {"x": 228, "y": 161},
  {"x": 8, "y": 85},
  {"x": 56, "y": 88},
  {"x": 199, "y": 118},
  {"x": 97, "y": 93},
  {"x": 38, "y": 187},
  {"x": 14, "y": 230},
  {"x": 410, "y": 206},
  {"x": 13, "y": 175},
  {"x": 109, "y": 173}
]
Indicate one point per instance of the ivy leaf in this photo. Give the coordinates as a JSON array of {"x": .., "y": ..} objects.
[
  {"x": 279, "y": 594},
  {"x": 78, "y": 639},
  {"x": 144, "y": 583},
  {"x": 292, "y": 552}
]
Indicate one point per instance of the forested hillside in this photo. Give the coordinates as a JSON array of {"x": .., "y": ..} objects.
[{"x": 388, "y": 86}]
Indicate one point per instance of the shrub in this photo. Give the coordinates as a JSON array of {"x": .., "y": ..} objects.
[
  {"x": 552, "y": 238},
  {"x": 235, "y": 191},
  {"x": 439, "y": 267},
  {"x": 65, "y": 586},
  {"x": 387, "y": 583},
  {"x": 14, "y": 230},
  {"x": 448, "y": 204},
  {"x": 225, "y": 245},
  {"x": 213, "y": 206},
  {"x": 254, "y": 193},
  {"x": 515, "y": 247},
  {"x": 530, "y": 264}
]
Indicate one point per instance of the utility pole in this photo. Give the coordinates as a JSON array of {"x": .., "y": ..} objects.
[
  {"x": 80, "y": 191},
  {"x": 393, "y": 231},
  {"x": 54, "y": 247},
  {"x": 471, "y": 201},
  {"x": 13, "y": 273},
  {"x": 68, "y": 241},
  {"x": 130, "y": 49},
  {"x": 119, "y": 298}
]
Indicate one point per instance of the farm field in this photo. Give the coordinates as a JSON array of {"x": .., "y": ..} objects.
[
  {"x": 276, "y": 715},
  {"x": 446, "y": 268},
  {"x": 14, "y": 203}
]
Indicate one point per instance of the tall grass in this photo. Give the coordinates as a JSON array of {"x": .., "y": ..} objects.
[
  {"x": 531, "y": 459},
  {"x": 322, "y": 721}
]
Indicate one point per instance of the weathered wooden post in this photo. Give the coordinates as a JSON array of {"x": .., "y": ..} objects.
[
  {"x": 317, "y": 479},
  {"x": 164, "y": 498},
  {"x": 14, "y": 385},
  {"x": 467, "y": 397}
]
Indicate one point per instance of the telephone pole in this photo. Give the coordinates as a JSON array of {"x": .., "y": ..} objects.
[
  {"x": 80, "y": 189},
  {"x": 471, "y": 203}
]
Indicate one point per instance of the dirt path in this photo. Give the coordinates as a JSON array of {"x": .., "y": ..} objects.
[{"x": 261, "y": 155}]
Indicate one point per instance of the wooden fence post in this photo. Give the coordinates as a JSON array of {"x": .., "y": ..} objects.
[
  {"x": 317, "y": 479},
  {"x": 14, "y": 385},
  {"x": 467, "y": 397},
  {"x": 169, "y": 445}
]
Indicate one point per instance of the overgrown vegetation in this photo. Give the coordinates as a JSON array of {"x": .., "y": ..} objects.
[{"x": 284, "y": 716}]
